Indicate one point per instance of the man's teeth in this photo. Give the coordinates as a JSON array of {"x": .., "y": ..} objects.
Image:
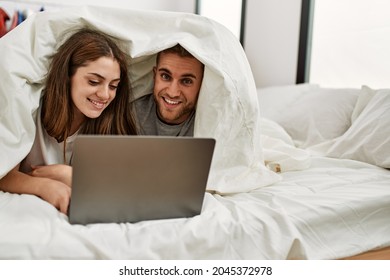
[{"x": 171, "y": 102}]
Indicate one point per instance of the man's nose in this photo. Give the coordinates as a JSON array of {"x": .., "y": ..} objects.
[{"x": 174, "y": 89}]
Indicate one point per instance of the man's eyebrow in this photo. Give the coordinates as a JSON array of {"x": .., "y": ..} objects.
[
  {"x": 189, "y": 75},
  {"x": 186, "y": 75},
  {"x": 164, "y": 70}
]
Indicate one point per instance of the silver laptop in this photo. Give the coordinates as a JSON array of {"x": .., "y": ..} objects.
[{"x": 134, "y": 178}]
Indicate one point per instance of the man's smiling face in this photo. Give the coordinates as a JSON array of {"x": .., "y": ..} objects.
[{"x": 177, "y": 82}]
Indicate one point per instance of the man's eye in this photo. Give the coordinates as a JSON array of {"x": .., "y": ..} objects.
[
  {"x": 165, "y": 76},
  {"x": 187, "y": 81}
]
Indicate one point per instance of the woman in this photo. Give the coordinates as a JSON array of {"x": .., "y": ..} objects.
[{"x": 86, "y": 92}]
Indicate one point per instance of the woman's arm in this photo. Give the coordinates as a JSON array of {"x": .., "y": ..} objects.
[
  {"x": 59, "y": 172},
  {"x": 55, "y": 192}
]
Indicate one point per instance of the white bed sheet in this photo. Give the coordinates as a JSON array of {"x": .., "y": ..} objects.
[{"x": 334, "y": 209}]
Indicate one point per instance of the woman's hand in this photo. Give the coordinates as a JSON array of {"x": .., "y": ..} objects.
[
  {"x": 53, "y": 191},
  {"x": 56, "y": 193},
  {"x": 59, "y": 172}
]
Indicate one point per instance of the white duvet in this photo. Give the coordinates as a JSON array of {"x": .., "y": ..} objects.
[
  {"x": 335, "y": 209},
  {"x": 227, "y": 107},
  {"x": 332, "y": 208}
]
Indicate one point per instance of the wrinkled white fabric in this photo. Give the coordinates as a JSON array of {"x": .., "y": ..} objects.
[
  {"x": 334, "y": 209},
  {"x": 227, "y": 107},
  {"x": 280, "y": 153}
]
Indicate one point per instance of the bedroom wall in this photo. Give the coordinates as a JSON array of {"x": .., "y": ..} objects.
[{"x": 271, "y": 33}]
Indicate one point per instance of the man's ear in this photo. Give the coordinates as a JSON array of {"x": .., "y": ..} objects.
[{"x": 154, "y": 71}]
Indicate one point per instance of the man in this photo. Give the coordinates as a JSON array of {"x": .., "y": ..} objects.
[{"x": 170, "y": 109}]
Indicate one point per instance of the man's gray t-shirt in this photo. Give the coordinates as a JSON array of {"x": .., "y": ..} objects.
[{"x": 149, "y": 124}]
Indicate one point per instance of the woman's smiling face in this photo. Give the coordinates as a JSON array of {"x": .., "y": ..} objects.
[{"x": 93, "y": 87}]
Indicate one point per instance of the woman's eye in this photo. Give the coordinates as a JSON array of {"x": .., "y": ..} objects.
[
  {"x": 113, "y": 87},
  {"x": 93, "y": 82}
]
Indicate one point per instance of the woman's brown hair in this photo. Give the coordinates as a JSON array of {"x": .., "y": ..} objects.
[{"x": 57, "y": 114}]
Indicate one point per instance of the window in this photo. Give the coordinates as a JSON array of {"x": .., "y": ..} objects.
[
  {"x": 349, "y": 44},
  {"x": 228, "y": 13}
]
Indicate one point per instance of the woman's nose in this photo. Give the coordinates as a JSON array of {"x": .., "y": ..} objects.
[{"x": 103, "y": 92}]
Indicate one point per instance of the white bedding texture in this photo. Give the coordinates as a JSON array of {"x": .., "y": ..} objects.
[
  {"x": 334, "y": 209},
  {"x": 301, "y": 171}
]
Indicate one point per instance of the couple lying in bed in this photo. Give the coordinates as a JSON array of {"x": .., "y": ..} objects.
[{"x": 87, "y": 91}]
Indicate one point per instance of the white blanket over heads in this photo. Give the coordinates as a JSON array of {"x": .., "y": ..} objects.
[{"x": 227, "y": 107}]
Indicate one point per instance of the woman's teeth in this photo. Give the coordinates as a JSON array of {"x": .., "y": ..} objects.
[{"x": 98, "y": 104}]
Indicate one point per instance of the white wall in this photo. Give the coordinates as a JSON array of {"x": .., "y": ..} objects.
[{"x": 271, "y": 40}]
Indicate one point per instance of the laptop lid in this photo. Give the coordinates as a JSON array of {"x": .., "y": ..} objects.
[{"x": 133, "y": 178}]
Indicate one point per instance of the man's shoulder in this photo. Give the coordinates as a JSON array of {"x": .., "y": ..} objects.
[
  {"x": 145, "y": 113},
  {"x": 144, "y": 103}
]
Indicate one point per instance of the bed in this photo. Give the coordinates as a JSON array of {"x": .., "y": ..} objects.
[
  {"x": 299, "y": 171},
  {"x": 344, "y": 208}
]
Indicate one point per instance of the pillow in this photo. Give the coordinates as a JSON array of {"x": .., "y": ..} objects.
[
  {"x": 276, "y": 99},
  {"x": 364, "y": 99},
  {"x": 368, "y": 138},
  {"x": 318, "y": 116}
]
